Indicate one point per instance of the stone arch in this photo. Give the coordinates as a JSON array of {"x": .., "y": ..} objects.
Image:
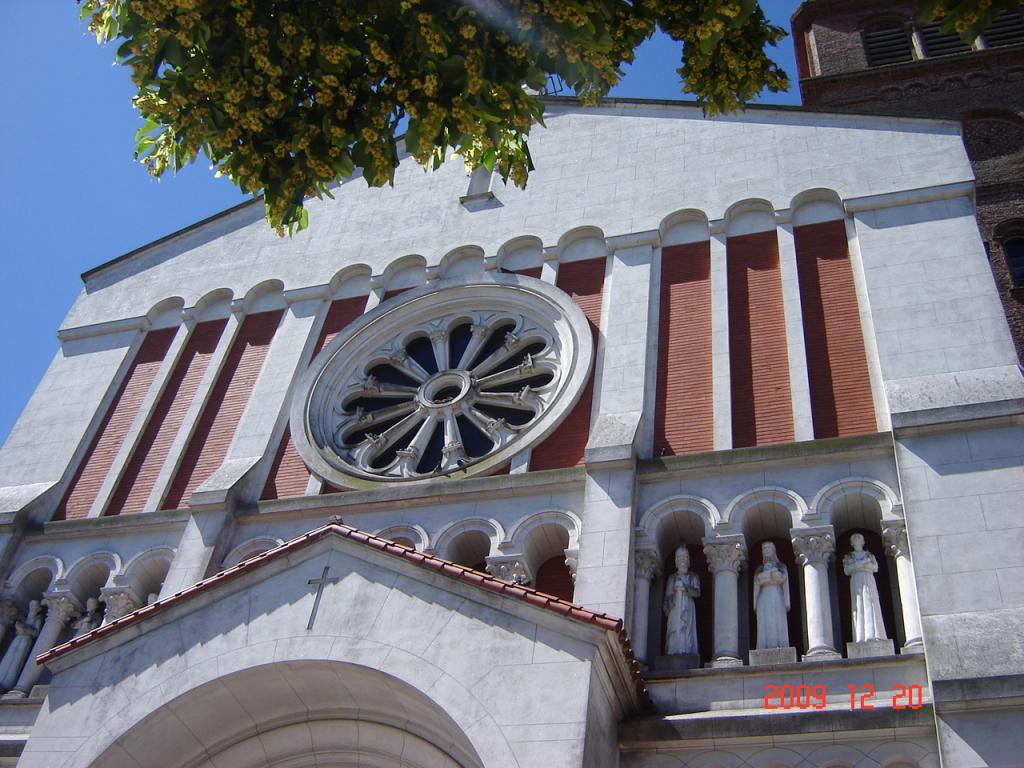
[
  {"x": 900, "y": 754},
  {"x": 813, "y": 206},
  {"x": 522, "y": 528},
  {"x": 214, "y": 305},
  {"x": 466, "y": 260},
  {"x": 34, "y": 577},
  {"x": 356, "y": 714},
  {"x": 855, "y": 502},
  {"x": 166, "y": 313},
  {"x": 263, "y": 297},
  {"x": 473, "y": 539},
  {"x": 523, "y": 252},
  {"x": 836, "y": 756},
  {"x": 405, "y": 272},
  {"x": 749, "y": 216},
  {"x": 89, "y": 574},
  {"x": 416, "y": 535},
  {"x": 353, "y": 280},
  {"x": 145, "y": 573},
  {"x": 716, "y": 759},
  {"x": 582, "y": 243},
  {"x": 689, "y": 225},
  {"x": 775, "y": 757},
  {"x": 739, "y": 509},
  {"x": 249, "y": 548},
  {"x": 673, "y": 517}
]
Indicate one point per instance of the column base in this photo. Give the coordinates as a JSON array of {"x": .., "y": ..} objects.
[
  {"x": 915, "y": 648},
  {"x": 868, "y": 649},
  {"x": 765, "y": 656},
  {"x": 822, "y": 654},
  {"x": 14, "y": 693},
  {"x": 676, "y": 662},
  {"x": 724, "y": 662}
]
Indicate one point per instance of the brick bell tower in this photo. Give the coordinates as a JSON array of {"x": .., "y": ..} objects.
[{"x": 875, "y": 57}]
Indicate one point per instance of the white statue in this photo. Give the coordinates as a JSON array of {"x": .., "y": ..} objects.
[
  {"x": 89, "y": 620},
  {"x": 771, "y": 600},
  {"x": 861, "y": 566},
  {"x": 680, "y": 590},
  {"x": 19, "y": 648}
]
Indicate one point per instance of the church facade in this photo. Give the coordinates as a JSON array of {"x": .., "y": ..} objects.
[{"x": 703, "y": 450}]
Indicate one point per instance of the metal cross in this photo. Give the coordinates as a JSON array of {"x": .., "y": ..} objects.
[{"x": 319, "y": 592}]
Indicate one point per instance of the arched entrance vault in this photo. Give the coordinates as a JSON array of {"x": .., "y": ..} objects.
[{"x": 296, "y": 714}]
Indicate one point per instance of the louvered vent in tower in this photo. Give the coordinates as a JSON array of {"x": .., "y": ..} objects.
[
  {"x": 1007, "y": 28},
  {"x": 889, "y": 44},
  {"x": 939, "y": 43}
]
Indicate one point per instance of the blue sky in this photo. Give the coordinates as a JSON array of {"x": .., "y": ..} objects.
[{"x": 75, "y": 198}]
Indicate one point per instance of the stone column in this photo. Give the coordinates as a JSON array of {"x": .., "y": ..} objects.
[
  {"x": 895, "y": 537},
  {"x": 646, "y": 566},
  {"x": 799, "y": 386},
  {"x": 721, "y": 380},
  {"x": 9, "y": 613},
  {"x": 726, "y": 556},
  {"x": 60, "y": 609},
  {"x": 120, "y": 601},
  {"x": 814, "y": 548}
]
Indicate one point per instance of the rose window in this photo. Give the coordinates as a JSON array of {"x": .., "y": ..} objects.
[{"x": 450, "y": 380}]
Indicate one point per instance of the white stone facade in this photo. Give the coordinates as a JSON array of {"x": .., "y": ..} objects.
[{"x": 404, "y": 667}]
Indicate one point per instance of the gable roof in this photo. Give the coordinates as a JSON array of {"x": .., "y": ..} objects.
[{"x": 335, "y": 527}]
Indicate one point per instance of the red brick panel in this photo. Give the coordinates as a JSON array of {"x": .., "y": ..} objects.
[
  {"x": 288, "y": 474},
  {"x": 531, "y": 272},
  {"x": 684, "y": 410},
  {"x": 230, "y": 394},
  {"x": 92, "y": 472},
  {"x": 149, "y": 455},
  {"x": 837, "y": 366},
  {"x": 584, "y": 281},
  {"x": 393, "y": 292},
  {"x": 762, "y": 411}
]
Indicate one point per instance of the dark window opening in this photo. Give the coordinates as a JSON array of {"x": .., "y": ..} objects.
[
  {"x": 1007, "y": 28},
  {"x": 940, "y": 43},
  {"x": 887, "y": 44},
  {"x": 1013, "y": 248}
]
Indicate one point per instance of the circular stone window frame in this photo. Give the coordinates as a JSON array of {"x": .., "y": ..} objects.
[{"x": 342, "y": 362}]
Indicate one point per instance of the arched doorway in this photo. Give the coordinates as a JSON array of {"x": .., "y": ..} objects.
[{"x": 296, "y": 714}]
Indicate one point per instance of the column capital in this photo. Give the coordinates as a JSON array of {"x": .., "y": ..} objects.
[
  {"x": 647, "y": 563},
  {"x": 813, "y": 545},
  {"x": 63, "y": 606},
  {"x": 510, "y": 569},
  {"x": 725, "y": 553},
  {"x": 572, "y": 559},
  {"x": 120, "y": 601},
  {"x": 894, "y": 534}
]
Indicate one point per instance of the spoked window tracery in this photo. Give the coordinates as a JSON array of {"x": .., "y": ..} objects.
[
  {"x": 441, "y": 396},
  {"x": 448, "y": 381}
]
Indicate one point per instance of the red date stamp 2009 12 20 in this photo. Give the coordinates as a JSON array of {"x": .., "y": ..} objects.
[{"x": 816, "y": 697}]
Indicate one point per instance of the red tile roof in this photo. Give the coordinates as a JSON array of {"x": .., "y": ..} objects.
[{"x": 431, "y": 562}]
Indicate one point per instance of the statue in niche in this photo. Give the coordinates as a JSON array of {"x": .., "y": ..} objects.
[
  {"x": 680, "y": 590},
  {"x": 20, "y": 646},
  {"x": 771, "y": 600},
  {"x": 90, "y": 619},
  {"x": 861, "y": 566}
]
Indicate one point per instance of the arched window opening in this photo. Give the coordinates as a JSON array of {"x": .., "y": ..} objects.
[
  {"x": 887, "y": 43},
  {"x": 554, "y": 578},
  {"x": 470, "y": 549},
  {"x": 938, "y": 42},
  {"x": 544, "y": 553},
  {"x": 1013, "y": 249},
  {"x": 1007, "y": 28}
]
